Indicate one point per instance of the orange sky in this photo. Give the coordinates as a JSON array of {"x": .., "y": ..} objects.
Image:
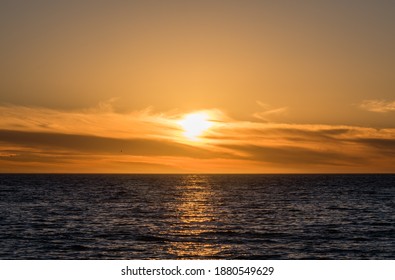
[{"x": 103, "y": 86}]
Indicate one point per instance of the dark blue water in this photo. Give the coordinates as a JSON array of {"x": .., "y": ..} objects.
[{"x": 197, "y": 216}]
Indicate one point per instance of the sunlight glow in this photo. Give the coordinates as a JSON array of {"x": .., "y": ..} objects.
[{"x": 195, "y": 125}]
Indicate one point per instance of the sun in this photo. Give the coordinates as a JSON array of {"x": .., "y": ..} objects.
[{"x": 195, "y": 124}]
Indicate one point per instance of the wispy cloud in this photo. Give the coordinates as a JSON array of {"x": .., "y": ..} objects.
[
  {"x": 313, "y": 146},
  {"x": 378, "y": 106},
  {"x": 7, "y": 154},
  {"x": 101, "y": 140},
  {"x": 98, "y": 121},
  {"x": 268, "y": 111}
]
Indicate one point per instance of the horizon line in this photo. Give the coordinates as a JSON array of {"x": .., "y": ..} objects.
[{"x": 196, "y": 173}]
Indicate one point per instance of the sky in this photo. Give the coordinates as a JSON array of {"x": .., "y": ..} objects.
[{"x": 279, "y": 86}]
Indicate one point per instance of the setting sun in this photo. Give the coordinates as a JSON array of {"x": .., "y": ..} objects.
[{"x": 195, "y": 124}]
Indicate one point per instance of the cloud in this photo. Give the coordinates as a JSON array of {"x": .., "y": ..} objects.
[
  {"x": 381, "y": 145},
  {"x": 88, "y": 144},
  {"x": 7, "y": 154},
  {"x": 329, "y": 148},
  {"x": 294, "y": 155},
  {"x": 268, "y": 111},
  {"x": 378, "y": 106},
  {"x": 100, "y": 121},
  {"x": 101, "y": 140}
]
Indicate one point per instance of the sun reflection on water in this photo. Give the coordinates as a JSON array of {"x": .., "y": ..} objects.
[{"x": 197, "y": 220}]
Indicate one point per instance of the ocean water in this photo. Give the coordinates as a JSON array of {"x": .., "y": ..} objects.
[{"x": 197, "y": 216}]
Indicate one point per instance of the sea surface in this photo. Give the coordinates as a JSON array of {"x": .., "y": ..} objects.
[{"x": 197, "y": 216}]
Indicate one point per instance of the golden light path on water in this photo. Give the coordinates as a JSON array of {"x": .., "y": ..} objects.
[{"x": 196, "y": 217}]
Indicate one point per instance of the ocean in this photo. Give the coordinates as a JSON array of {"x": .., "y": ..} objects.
[{"x": 63, "y": 216}]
